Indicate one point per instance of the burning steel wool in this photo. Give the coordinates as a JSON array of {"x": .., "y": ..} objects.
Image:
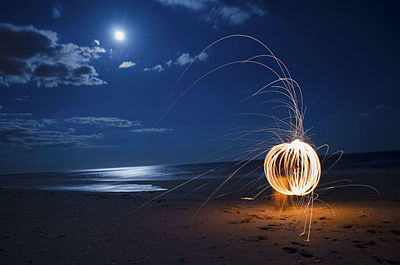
[{"x": 292, "y": 168}]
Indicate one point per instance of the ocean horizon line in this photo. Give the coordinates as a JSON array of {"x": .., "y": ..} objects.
[{"x": 47, "y": 171}]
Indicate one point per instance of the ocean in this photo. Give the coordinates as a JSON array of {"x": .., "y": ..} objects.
[{"x": 380, "y": 169}]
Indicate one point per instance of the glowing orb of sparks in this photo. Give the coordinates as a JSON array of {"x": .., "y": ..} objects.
[
  {"x": 292, "y": 168},
  {"x": 119, "y": 35}
]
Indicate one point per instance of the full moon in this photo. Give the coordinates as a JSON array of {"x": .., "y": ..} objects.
[{"x": 119, "y": 35}]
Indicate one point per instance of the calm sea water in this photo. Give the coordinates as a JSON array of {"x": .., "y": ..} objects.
[{"x": 370, "y": 168}]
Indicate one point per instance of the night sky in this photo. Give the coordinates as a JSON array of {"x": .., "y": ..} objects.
[{"x": 73, "y": 95}]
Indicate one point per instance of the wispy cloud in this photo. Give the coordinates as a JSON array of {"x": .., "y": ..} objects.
[
  {"x": 29, "y": 54},
  {"x": 127, "y": 64},
  {"x": 22, "y": 130},
  {"x": 382, "y": 107},
  {"x": 25, "y": 98},
  {"x": 104, "y": 121},
  {"x": 255, "y": 9},
  {"x": 234, "y": 15},
  {"x": 183, "y": 59},
  {"x": 152, "y": 130},
  {"x": 48, "y": 121},
  {"x": 29, "y": 133},
  {"x": 186, "y": 58},
  {"x": 217, "y": 11},
  {"x": 157, "y": 68},
  {"x": 56, "y": 10},
  {"x": 15, "y": 114},
  {"x": 190, "y": 4},
  {"x": 168, "y": 63},
  {"x": 376, "y": 109}
]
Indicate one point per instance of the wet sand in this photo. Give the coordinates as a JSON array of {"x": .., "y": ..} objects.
[{"x": 63, "y": 227}]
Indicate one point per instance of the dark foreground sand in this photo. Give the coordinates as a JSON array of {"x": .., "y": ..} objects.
[{"x": 44, "y": 227}]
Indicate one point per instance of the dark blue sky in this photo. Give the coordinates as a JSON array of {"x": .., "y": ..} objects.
[{"x": 72, "y": 96}]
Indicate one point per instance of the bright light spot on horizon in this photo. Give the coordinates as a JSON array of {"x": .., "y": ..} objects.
[{"x": 119, "y": 35}]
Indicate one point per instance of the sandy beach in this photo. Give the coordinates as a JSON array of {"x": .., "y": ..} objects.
[{"x": 65, "y": 227}]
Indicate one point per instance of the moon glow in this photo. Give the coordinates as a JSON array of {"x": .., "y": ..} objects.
[{"x": 119, "y": 35}]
